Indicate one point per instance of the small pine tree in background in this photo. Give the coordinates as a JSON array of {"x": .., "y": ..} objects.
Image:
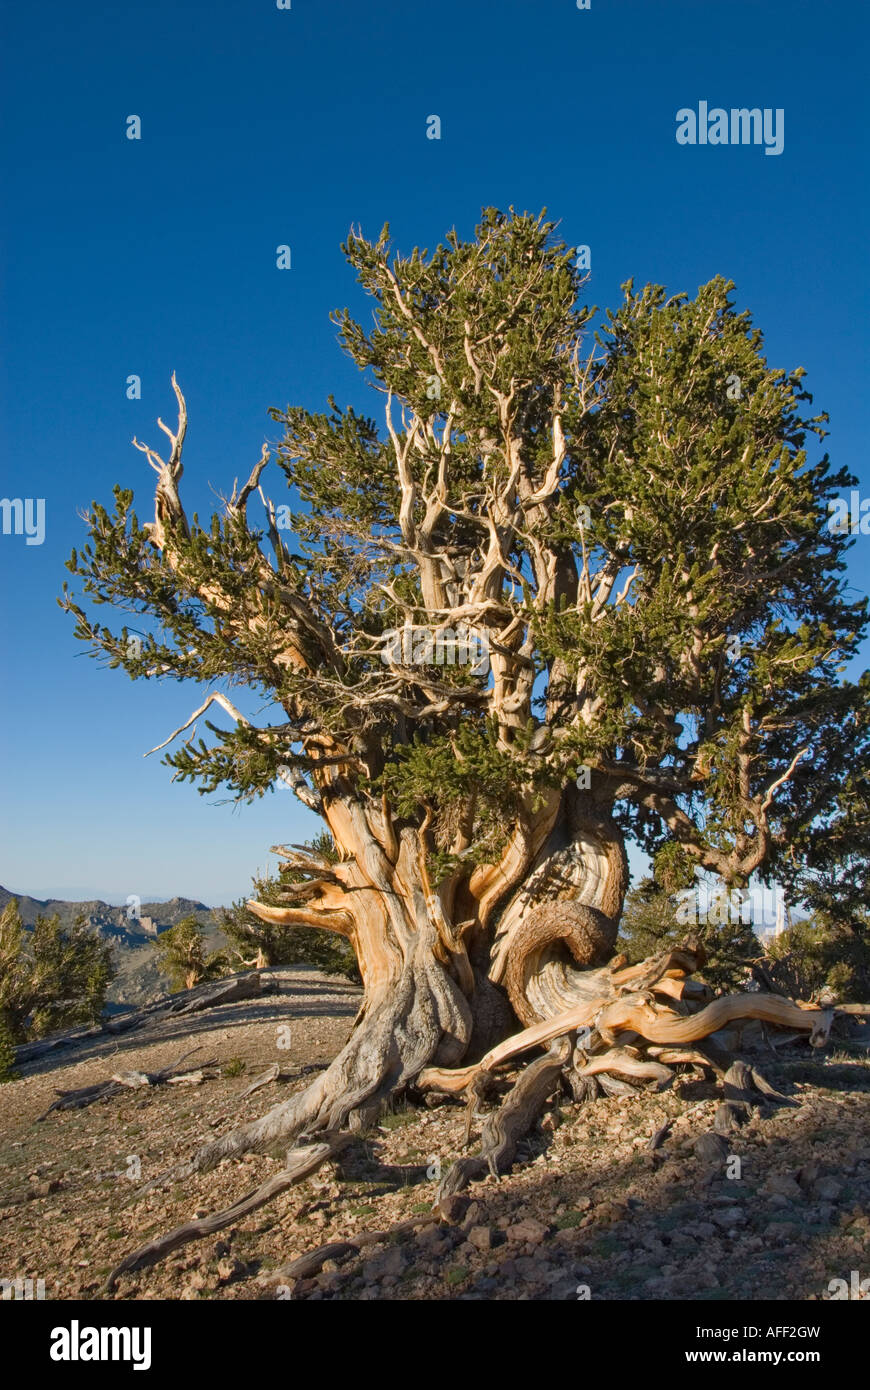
[
  {"x": 15, "y": 971},
  {"x": 7, "y": 1051},
  {"x": 72, "y": 972},
  {"x": 51, "y": 978},
  {"x": 183, "y": 957},
  {"x": 829, "y": 877},
  {"x": 651, "y": 923},
  {"x": 820, "y": 960}
]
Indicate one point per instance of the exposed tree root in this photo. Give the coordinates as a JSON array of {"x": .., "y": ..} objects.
[
  {"x": 277, "y": 1073},
  {"x": 300, "y": 1162},
  {"x": 505, "y": 1127},
  {"x": 658, "y": 1137},
  {"x": 625, "y": 1061},
  {"x": 659, "y": 1026},
  {"x": 744, "y": 1087},
  {"x": 420, "y": 1028},
  {"x": 424, "y": 1017},
  {"x": 635, "y": 1014},
  {"x": 312, "y": 1262}
]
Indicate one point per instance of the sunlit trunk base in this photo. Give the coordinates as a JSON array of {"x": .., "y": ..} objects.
[{"x": 464, "y": 982}]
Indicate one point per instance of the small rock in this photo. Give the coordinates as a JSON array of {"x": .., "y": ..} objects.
[
  {"x": 43, "y": 1189},
  {"x": 527, "y": 1230},
  {"x": 700, "y": 1230},
  {"x": 481, "y": 1237},
  {"x": 453, "y": 1207},
  {"x": 781, "y": 1185},
  {"x": 472, "y": 1217},
  {"x": 729, "y": 1218},
  {"x": 782, "y": 1231},
  {"x": 434, "y": 1241},
  {"x": 390, "y": 1263},
  {"x": 710, "y": 1148},
  {"x": 229, "y": 1269},
  {"x": 827, "y": 1189},
  {"x": 729, "y": 1115},
  {"x": 564, "y": 1289},
  {"x": 611, "y": 1211},
  {"x": 808, "y": 1175}
]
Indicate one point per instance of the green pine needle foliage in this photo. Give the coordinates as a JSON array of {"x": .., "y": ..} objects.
[
  {"x": 183, "y": 957},
  {"x": 642, "y": 514},
  {"x": 51, "y": 978}
]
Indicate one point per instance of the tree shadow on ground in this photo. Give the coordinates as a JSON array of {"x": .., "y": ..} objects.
[
  {"x": 293, "y": 1000},
  {"x": 656, "y": 1226}
]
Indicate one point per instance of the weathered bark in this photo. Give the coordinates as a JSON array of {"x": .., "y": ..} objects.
[
  {"x": 426, "y": 1001},
  {"x": 625, "y": 1061},
  {"x": 504, "y": 1128},
  {"x": 634, "y": 1016},
  {"x": 564, "y": 918},
  {"x": 424, "y": 1017}
]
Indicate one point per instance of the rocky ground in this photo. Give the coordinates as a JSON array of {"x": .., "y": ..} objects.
[{"x": 589, "y": 1211}]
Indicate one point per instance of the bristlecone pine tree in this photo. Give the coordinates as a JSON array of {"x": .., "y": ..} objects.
[
  {"x": 52, "y": 977},
  {"x": 571, "y": 588},
  {"x": 183, "y": 957}
]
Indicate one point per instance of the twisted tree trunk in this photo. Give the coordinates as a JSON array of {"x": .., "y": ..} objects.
[
  {"x": 433, "y": 997},
  {"x": 447, "y": 973}
]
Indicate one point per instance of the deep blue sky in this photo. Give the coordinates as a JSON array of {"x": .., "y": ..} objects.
[{"x": 263, "y": 127}]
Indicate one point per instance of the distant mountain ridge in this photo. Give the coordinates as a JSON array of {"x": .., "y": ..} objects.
[
  {"x": 138, "y": 980},
  {"x": 105, "y": 916}
]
